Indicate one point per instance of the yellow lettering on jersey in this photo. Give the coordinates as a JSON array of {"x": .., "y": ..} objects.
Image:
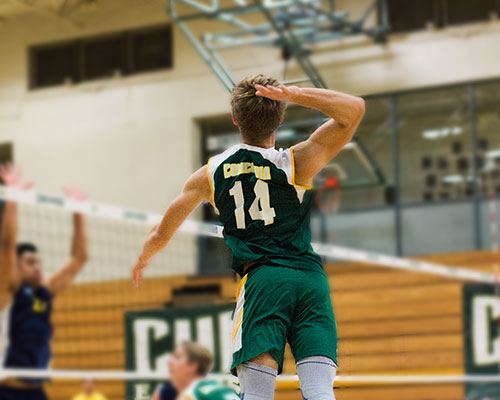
[
  {"x": 227, "y": 170},
  {"x": 235, "y": 169},
  {"x": 39, "y": 306}
]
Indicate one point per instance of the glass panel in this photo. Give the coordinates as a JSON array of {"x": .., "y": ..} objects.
[
  {"x": 374, "y": 138},
  {"x": 434, "y": 142},
  {"x": 486, "y": 222},
  {"x": 488, "y": 136},
  {"x": 368, "y": 230},
  {"x": 438, "y": 228}
]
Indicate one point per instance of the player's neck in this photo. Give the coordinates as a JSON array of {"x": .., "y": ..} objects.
[
  {"x": 266, "y": 143},
  {"x": 182, "y": 386}
]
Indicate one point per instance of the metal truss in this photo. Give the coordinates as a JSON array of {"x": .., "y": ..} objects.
[{"x": 288, "y": 25}]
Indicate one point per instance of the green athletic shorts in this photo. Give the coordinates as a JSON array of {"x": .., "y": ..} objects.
[{"x": 278, "y": 304}]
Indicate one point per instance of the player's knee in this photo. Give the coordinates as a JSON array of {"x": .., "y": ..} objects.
[
  {"x": 257, "y": 380},
  {"x": 265, "y": 359}
]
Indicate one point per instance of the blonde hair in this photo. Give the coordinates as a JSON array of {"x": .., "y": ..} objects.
[{"x": 200, "y": 355}]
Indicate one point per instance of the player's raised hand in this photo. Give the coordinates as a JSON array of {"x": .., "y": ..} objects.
[
  {"x": 139, "y": 265},
  {"x": 75, "y": 193},
  {"x": 11, "y": 177},
  {"x": 280, "y": 92}
]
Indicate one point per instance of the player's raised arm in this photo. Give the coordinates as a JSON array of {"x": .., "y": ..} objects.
[
  {"x": 346, "y": 113},
  {"x": 65, "y": 275},
  {"x": 196, "y": 190},
  {"x": 9, "y": 277}
]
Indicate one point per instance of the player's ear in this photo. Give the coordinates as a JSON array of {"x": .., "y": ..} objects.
[{"x": 235, "y": 122}]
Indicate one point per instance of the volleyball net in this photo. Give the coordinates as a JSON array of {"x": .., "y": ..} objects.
[{"x": 394, "y": 314}]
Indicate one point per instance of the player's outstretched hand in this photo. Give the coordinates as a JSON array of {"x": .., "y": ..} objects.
[
  {"x": 280, "y": 92},
  {"x": 75, "y": 193},
  {"x": 139, "y": 265},
  {"x": 11, "y": 177}
]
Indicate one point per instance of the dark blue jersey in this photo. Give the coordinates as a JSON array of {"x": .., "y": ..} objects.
[
  {"x": 26, "y": 330},
  {"x": 168, "y": 392}
]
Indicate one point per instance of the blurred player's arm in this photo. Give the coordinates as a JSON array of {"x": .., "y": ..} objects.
[
  {"x": 346, "y": 113},
  {"x": 156, "y": 395},
  {"x": 65, "y": 275},
  {"x": 196, "y": 190},
  {"x": 9, "y": 274},
  {"x": 9, "y": 278}
]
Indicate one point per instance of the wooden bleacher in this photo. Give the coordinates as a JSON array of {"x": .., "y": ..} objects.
[{"x": 389, "y": 321}]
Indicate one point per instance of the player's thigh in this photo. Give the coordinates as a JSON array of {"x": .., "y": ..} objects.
[
  {"x": 263, "y": 314},
  {"x": 313, "y": 331}
]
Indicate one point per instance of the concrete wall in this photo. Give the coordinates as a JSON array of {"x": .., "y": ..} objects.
[
  {"x": 124, "y": 137},
  {"x": 133, "y": 141}
]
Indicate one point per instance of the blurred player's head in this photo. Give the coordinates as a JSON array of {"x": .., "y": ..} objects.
[
  {"x": 28, "y": 261},
  {"x": 88, "y": 386},
  {"x": 257, "y": 117},
  {"x": 189, "y": 361}
]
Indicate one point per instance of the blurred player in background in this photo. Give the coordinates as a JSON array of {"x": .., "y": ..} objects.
[
  {"x": 263, "y": 198},
  {"x": 165, "y": 392},
  {"x": 188, "y": 368},
  {"x": 26, "y": 296},
  {"x": 89, "y": 392}
]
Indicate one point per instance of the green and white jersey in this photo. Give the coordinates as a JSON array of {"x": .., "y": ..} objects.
[
  {"x": 209, "y": 390},
  {"x": 264, "y": 212}
]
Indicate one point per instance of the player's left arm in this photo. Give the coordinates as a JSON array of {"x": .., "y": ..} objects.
[
  {"x": 196, "y": 190},
  {"x": 65, "y": 275}
]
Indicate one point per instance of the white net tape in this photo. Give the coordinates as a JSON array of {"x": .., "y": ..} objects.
[{"x": 204, "y": 229}]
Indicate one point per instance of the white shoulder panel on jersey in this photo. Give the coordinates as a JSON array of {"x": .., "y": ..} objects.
[
  {"x": 212, "y": 165},
  {"x": 282, "y": 159}
]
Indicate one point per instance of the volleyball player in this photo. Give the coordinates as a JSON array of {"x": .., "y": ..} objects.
[
  {"x": 263, "y": 198},
  {"x": 26, "y": 296},
  {"x": 188, "y": 368}
]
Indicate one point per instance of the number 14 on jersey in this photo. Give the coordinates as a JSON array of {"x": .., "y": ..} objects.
[{"x": 260, "y": 209}]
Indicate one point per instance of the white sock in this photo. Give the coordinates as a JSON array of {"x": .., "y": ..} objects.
[
  {"x": 257, "y": 381},
  {"x": 316, "y": 375}
]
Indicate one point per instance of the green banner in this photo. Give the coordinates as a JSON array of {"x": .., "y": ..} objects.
[
  {"x": 482, "y": 339},
  {"x": 152, "y": 335}
]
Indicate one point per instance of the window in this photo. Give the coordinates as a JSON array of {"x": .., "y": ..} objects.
[
  {"x": 5, "y": 153},
  {"x": 435, "y": 146},
  {"x": 152, "y": 50},
  {"x": 413, "y": 15},
  {"x": 85, "y": 59},
  {"x": 488, "y": 153},
  {"x": 374, "y": 135},
  {"x": 463, "y": 11},
  {"x": 55, "y": 65},
  {"x": 104, "y": 58},
  {"x": 488, "y": 137}
]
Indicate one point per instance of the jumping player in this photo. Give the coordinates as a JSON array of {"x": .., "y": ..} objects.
[
  {"x": 188, "y": 367},
  {"x": 263, "y": 198},
  {"x": 26, "y": 297}
]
